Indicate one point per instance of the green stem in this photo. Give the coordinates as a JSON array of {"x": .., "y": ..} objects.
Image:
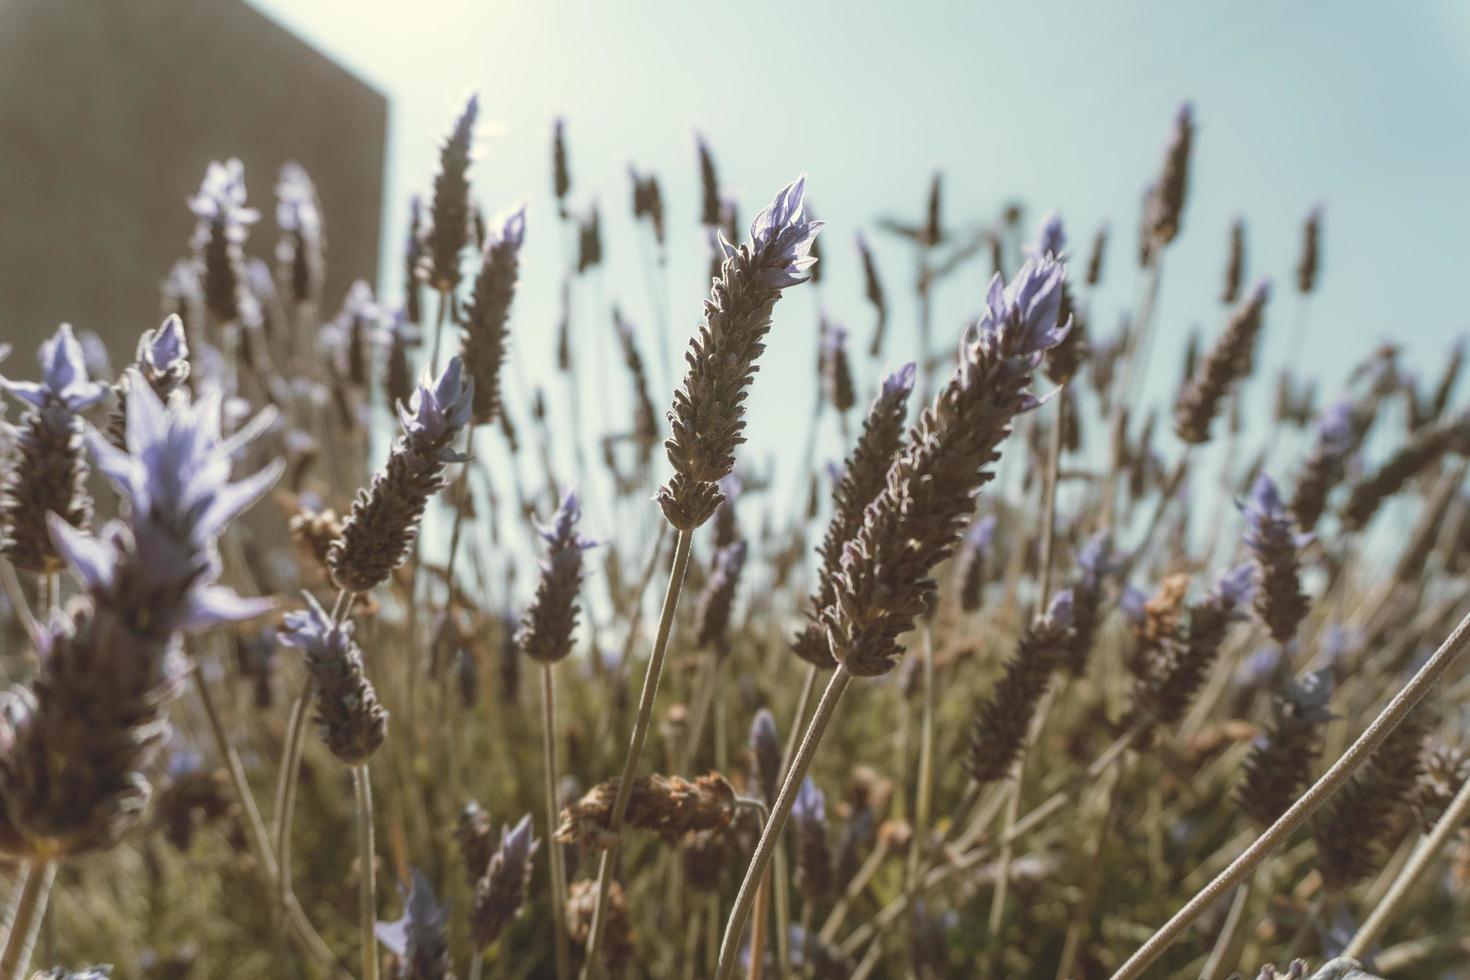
[
  {"x": 362, "y": 787},
  {"x": 771, "y": 835},
  {"x": 1342, "y": 770},
  {"x": 558, "y": 874},
  {"x": 25, "y": 924},
  {"x": 635, "y": 745}
]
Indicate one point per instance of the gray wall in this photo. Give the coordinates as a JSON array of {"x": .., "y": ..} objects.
[{"x": 109, "y": 113}]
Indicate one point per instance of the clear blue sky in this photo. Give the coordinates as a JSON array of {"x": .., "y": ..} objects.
[{"x": 1362, "y": 106}]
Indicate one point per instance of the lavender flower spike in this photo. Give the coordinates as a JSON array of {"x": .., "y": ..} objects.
[
  {"x": 488, "y": 312},
  {"x": 1051, "y": 239},
  {"x": 1272, "y": 537},
  {"x": 74, "y": 778},
  {"x": 915, "y": 523},
  {"x": 379, "y": 533},
  {"x": 707, "y": 420},
  {"x": 353, "y": 722},
  {"x": 546, "y": 628},
  {"x": 501, "y": 891},
  {"x": 50, "y": 471}
]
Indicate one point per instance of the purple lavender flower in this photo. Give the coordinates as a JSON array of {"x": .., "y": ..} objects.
[
  {"x": 1272, "y": 537},
  {"x": 707, "y": 420},
  {"x": 1051, "y": 239},
  {"x": 972, "y": 564},
  {"x": 49, "y": 473},
  {"x": 488, "y": 312},
  {"x": 74, "y": 781},
  {"x": 219, "y": 237},
  {"x": 813, "y": 864},
  {"x": 379, "y": 533},
  {"x": 64, "y": 384},
  {"x": 766, "y": 751},
  {"x": 353, "y": 723},
  {"x": 501, "y": 891},
  {"x": 810, "y": 805},
  {"x": 419, "y": 939},
  {"x": 301, "y": 249},
  {"x": 917, "y": 520},
  {"x": 546, "y": 629},
  {"x": 1338, "y": 433}
]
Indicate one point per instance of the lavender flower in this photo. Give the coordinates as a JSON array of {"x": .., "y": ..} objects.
[
  {"x": 709, "y": 182},
  {"x": 219, "y": 237},
  {"x": 501, "y": 891},
  {"x": 162, "y": 361},
  {"x": 50, "y": 471},
  {"x": 1172, "y": 675},
  {"x": 488, "y": 312},
  {"x": 399, "y": 334},
  {"x": 1235, "y": 264},
  {"x": 449, "y": 215},
  {"x": 1005, "y": 717},
  {"x": 379, "y": 534},
  {"x": 1228, "y": 362},
  {"x": 545, "y": 632},
  {"x": 561, "y": 175},
  {"x": 648, "y": 202},
  {"x": 1279, "y": 766},
  {"x": 414, "y": 263},
  {"x": 1165, "y": 204},
  {"x": 915, "y": 523},
  {"x": 301, "y": 251},
  {"x": 813, "y": 877},
  {"x": 419, "y": 939},
  {"x": 73, "y": 779},
  {"x": 1051, "y": 239},
  {"x": 718, "y": 598},
  {"x": 1272, "y": 537},
  {"x": 1306, "y": 269},
  {"x": 356, "y": 324},
  {"x": 766, "y": 752},
  {"x": 838, "y": 370},
  {"x": 971, "y": 563},
  {"x": 1097, "y": 561},
  {"x": 708, "y": 416},
  {"x": 873, "y": 289},
  {"x": 353, "y": 723},
  {"x": 1337, "y": 436},
  {"x": 861, "y": 481}
]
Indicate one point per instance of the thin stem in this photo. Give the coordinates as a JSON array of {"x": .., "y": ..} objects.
[
  {"x": 18, "y": 602},
  {"x": 290, "y": 779},
  {"x": 1429, "y": 849},
  {"x": 558, "y": 874},
  {"x": 257, "y": 838},
  {"x": 782, "y": 881},
  {"x": 729, "y": 947},
  {"x": 25, "y": 925},
  {"x": 362, "y": 787},
  {"x": 924, "y": 791},
  {"x": 1225, "y": 951},
  {"x": 1381, "y": 727},
  {"x": 439, "y": 330},
  {"x": 635, "y": 745}
]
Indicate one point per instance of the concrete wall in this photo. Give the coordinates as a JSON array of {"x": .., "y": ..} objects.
[{"x": 109, "y": 113}]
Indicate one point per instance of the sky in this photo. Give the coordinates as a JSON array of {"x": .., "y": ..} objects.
[{"x": 1362, "y": 107}]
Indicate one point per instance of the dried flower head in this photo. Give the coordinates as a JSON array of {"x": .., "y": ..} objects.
[
  {"x": 379, "y": 533},
  {"x": 670, "y": 806},
  {"x": 1174, "y": 669},
  {"x": 500, "y": 894},
  {"x": 546, "y": 629},
  {"x": 708, "y": 415},
  {"x": 353, "y": 722},
  {"x": 617, "y": 936},
  {"x": 1425, "y": 447},
  {"x": 1443, "y": 770},
  {"x": 916, "y": 521}
]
